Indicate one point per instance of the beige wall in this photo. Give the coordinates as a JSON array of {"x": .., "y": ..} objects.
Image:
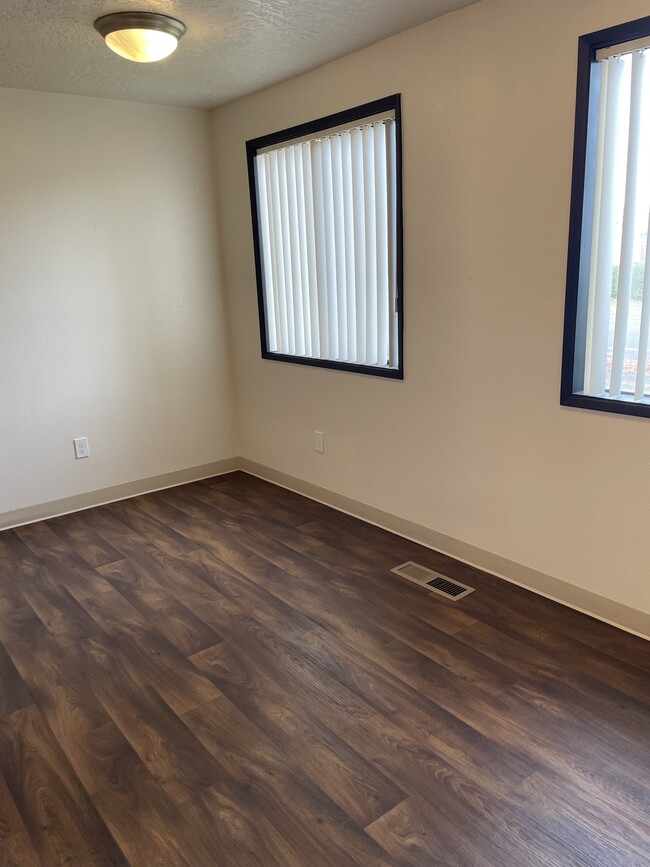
[
  {"x": 473, "y": 443},
  {"x": 111, "y": 314}
]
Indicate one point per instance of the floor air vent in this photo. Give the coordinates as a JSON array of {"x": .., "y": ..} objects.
[{"x": 434, "y": 581}]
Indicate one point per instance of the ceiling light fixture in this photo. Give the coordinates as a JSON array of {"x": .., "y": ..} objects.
[{"x": 140, "y": 36}]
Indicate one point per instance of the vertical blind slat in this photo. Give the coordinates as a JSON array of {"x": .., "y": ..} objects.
[
  {"x": 629, "y": 221},
  {"x": 270, "y": 297},
  {"x": 644, "y": 326},
  {"x": 279, "y": 257},
  {"x": 295, "y": 253},
  {"x": 304, "y": 257},
  {"x": 280, "y": 324},
  {"x": 310, "y": 240},
  {"x": 286, "y": 250},
  {"x": 348, "y": 211},
  {"x": 391, "y": 158},
  {"x": 321, "y": 248},
  {"x": 602, "y": 70},
  {"x": 358, "y": 204},
  {"x": 338, "y": 210},
  {"x": 381, "y": 205},
  {"x": 371, "y": 243},
  {"x": 600, "y": 297},
  {"x": 329, "y": 236}
]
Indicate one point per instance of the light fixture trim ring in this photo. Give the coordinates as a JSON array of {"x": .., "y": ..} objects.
[{"x": 108, "y": 24}]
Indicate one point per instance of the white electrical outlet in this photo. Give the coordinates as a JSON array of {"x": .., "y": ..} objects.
[
  {"x": 319, "y": 441},
  {"x": 81, "y": 449}
]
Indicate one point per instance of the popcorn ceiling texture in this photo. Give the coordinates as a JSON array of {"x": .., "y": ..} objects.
[{"x": 232, "y": 47}]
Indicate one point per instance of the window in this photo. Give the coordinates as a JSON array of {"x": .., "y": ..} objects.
[
  {"x": 606, "y": 364},
  {"x": 327, "y": 229}
]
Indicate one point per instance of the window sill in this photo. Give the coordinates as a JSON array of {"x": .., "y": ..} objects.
[
  {"x": 363, "y": 369},
  {"x": 606, "y": 404}
]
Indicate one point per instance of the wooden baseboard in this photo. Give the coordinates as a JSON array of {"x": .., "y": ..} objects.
[
  {"x": 89, "y": 499},
  {"x": 600, "y": 607}
]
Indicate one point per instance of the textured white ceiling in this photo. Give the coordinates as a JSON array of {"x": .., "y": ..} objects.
[{"x": 232, "y": 47}]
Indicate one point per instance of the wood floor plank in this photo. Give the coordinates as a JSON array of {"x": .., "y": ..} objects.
[
  {"x": 567, "y": 825},
  {"x": 56, "y": 683},
  {"x": 229, "y": 619},
  {"x": 325, "y": 563},
  {"x": 130, "y": 636},
  {"x": 495, "y": 839},
  {"x": 235, "y": 833},
  {"x": 540, "y": 633},
  {"x": 165, "y": 745},
  {"x": 164, "y": 537},
  {"x": 601, "y": 700},
  {"x": 226, "y": 673},
  {"x": 61, "y": 613},
  {"x": 355, "y": 785},
  {"x": 575, "y": 823},
  {"x": 450, "y": 739},
  {"x": 214, "y": 572},
  {"x": 63, "y": 823},
  {"x": 257, "y": 600},
  {"x": 72, "y": 572},
  {"x": 40, "y": 539},
  {"x": 274, "y": 664},
  {"x": 12, "y": 546},
  {"x": 14, "y": 693},
  {"x": 410, "y": 834},
  {"x": 10, "y": 596},
  {"x": 89, "y": 545},
  {"x": 182, "y": 628},
  {"x": 301, "y": 811},
  {"x": 147, "y": 825},
  {"x": 17, "y": 851},
  {"x": 10, "y": 821}
]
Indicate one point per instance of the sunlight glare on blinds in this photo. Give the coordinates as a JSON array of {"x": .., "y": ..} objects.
[{"x": 327, "y": 219}]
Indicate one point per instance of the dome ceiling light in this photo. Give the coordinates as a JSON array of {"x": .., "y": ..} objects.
[{"x": 140, "y": 36}]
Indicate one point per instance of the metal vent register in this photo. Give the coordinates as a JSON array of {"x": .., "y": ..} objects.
[{"x": 434, "y": 581}]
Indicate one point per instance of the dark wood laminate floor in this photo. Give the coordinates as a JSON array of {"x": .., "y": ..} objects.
[{"x": 227, "y": 674}]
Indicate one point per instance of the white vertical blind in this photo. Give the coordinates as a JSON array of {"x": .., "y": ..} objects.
[
  {"x": 644, "y": 327},
  {"x": 629, "y": 225},
  {"x": 327, "y": 219},
  {"x": 359, "y": 218},
  {"x": 382, "y": 299},
  {"x": 603, "y": 235},
  {"x": 618, "y": 321}
]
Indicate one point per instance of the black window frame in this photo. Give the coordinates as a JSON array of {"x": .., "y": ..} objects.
[
  {"x": 341, "y": 118},
  {"x": 581, "y": 217}
]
